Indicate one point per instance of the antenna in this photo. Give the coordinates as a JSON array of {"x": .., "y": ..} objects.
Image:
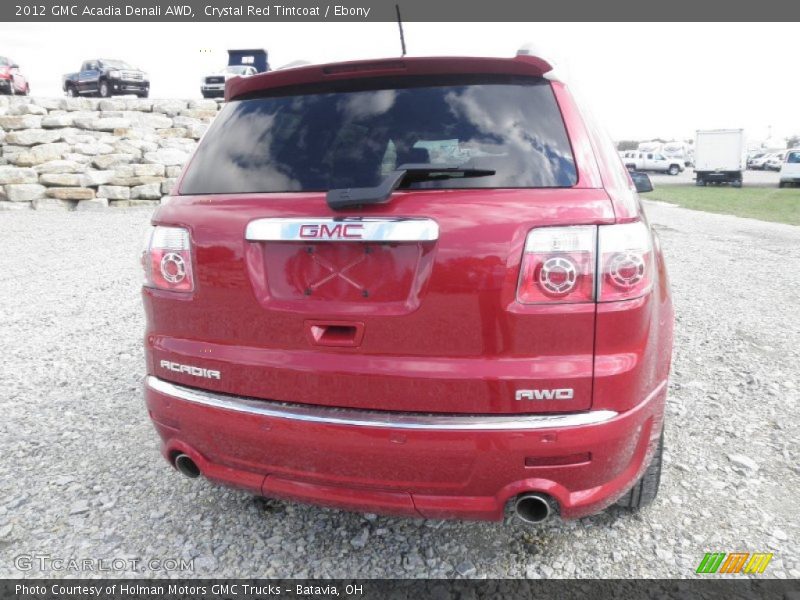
[{"x": 400, "y": 26}]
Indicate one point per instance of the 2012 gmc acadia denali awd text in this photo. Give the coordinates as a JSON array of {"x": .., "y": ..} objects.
[{"x": 417, "y": 286}]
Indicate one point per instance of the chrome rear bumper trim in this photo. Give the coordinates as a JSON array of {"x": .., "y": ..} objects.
[{"x": 373, "y": 418}]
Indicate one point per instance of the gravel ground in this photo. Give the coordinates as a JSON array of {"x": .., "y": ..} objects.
[{"x": 81, "y": 476}]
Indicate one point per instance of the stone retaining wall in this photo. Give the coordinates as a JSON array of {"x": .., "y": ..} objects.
[{"x": 91, "y": 153}]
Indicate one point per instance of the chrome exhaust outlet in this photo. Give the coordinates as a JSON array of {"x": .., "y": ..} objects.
[
  {"x": 532, "y": 508},
  {"x": 187, "y": 466}
]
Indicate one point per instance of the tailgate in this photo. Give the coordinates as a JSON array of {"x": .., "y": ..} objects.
[{"x": 409, "y": 307}]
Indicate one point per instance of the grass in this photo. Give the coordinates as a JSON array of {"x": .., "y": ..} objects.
[{"x": 764, "y": 203}]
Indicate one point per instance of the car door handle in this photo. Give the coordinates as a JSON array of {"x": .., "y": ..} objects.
[{"x": 334, "y": 333}]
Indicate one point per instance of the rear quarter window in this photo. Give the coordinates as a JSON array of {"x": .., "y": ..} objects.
[{"x": 321, "y": 139}]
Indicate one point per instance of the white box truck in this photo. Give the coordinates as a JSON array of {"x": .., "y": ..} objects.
[{"x": 720, "y": 156}]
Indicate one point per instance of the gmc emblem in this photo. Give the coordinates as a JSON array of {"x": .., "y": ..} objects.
[
  {"x": 554, "y": 394},
  {"x": 340, "y": 231}
]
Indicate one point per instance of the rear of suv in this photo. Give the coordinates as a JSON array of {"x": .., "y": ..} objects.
[{"x": 418, "y": 286}]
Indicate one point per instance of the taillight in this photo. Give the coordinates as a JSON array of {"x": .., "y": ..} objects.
[
  {"x": 167, "y": 259},
  {"x": 626, "y": 261},
  {"x": 580, "y": 264},
  {"x": 558, "y": 265}
]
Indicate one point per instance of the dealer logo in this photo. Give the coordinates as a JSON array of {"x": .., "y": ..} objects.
[{"x": 734, "y": 563}]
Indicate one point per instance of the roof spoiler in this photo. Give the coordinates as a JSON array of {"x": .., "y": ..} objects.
[{"x": 522, "y": 64}]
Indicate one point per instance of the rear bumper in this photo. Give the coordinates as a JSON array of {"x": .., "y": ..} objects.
[
  {"x": 213, "y": 89},
  {"x": 432, "y": 466},
  {"x": 718, "y": 175}
]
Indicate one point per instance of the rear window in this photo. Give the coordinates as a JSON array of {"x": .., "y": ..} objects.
[{"x": 320, "y": 139}]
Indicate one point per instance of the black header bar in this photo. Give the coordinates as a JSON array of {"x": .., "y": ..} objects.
[{"x": 487, "y": 11}]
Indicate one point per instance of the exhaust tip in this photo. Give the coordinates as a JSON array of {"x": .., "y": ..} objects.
[
  {"x": 532, "y": 508},
  {"x": 187, "y": 466}
]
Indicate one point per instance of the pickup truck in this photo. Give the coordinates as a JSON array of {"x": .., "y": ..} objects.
[
  {"x": 105, "y": 78},
  {"x": 212, "y": 86},
  {"x": 652, "y": 161}
]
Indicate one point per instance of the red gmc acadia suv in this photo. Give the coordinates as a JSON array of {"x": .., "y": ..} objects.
[{"x": 417, "y": 286}]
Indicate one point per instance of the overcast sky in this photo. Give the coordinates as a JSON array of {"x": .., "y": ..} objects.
[{"x": 643, "y": 80}]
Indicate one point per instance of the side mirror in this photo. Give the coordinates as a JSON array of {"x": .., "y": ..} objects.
[{"x": 641, "y": 181}]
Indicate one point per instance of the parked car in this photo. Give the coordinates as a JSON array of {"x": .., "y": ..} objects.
[
  {"x": 790, "y": 170},
  {"x": 775, "y": 161},
  {"x": 105, "y": 78},
  {"x": 653, "y": 161},
  {"x": 758, "y": 163},
  {"x": 755, "y": 161},
  {"x": 12, "y": 81},
  {"x": 400, "y": 290},
  {"x": 213, "y": 86}
]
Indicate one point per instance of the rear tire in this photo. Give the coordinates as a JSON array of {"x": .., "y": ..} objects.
[
  {"x": 674, "y": 170},
  {"x": 646, "y": 489},
  {"x": 737, "y": 183},
  {"x": 781, "y": 184}
]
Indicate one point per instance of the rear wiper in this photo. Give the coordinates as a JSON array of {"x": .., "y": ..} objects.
[{"x": 344, "y": 197}]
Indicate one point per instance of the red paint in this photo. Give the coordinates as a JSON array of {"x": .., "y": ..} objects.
[
  {"x": 441, "y": 330},
  {"x": 12, "y": 81},
  {"x": 388, "y": 67},
  {"x": 445, "y": 474}
]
